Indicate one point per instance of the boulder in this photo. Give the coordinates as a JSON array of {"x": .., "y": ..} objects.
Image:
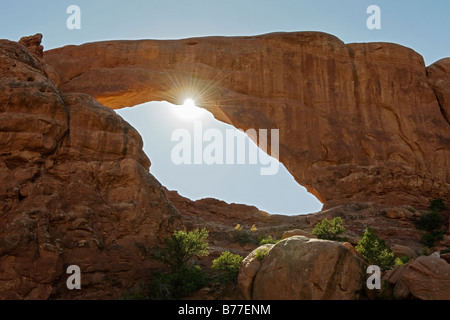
[
  {"x": 400, "y": 214},
  {"x": 352, "y": 249},
  {"x": 297, "y": 232},
  {"x": 425, "y": 278},
  {"x": 403, "y": 251},
  {"x": 300, "y": 268},
  {"x": 248, "y": 270}
]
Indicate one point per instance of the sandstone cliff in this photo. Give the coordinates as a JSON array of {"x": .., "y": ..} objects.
[{"x": 357, "y": 122}]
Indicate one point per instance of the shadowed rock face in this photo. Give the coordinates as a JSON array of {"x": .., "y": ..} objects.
[
  {"x": 74, "y": 188},
  {"x": 439, "y": 79},
  {"x": 358, "y": 122},
  {"x": 425, "y": 278},
  {"x": 299, "y": 268}
]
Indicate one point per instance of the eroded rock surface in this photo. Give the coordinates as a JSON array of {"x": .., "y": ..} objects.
[
  {"x": 300, "y": 268},
  {"x": 439, "y": 79},
  {"x": 425, "y": 278},
  {"x": 395, "y": 224},
  {"x": 74, "y": 189},
  {"x": 358, "y": 122},
  {"x": 363, "y": 126}
]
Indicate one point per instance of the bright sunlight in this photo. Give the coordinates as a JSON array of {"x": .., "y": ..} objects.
[{"x": 189, "y": 111}]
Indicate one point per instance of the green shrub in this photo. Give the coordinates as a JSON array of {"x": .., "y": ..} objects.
[
  {"x": 329, "y": 229},
  {"x": 425, "y": 251},
  {"x": 401, "y": 260},
  {"x": 437, "y": 205},
  {"x": 261, "y": 253},
  {"x": 429, "y": 221},
  {"x": 387, "y": 291},
  {"x": 429, "y": 238},
  {"x": 168, "y": 286},
  {"x": 183, "y": 276},
  {"x": 183, "y": 246},
  {"x": 229, "y": 264},
  {"x": 139, "y": 292},
  {"x": 445, "y": 250},
  {"x": 375, "y": 250},
  {"x": 243, "y": 236},
  {"x": 268, "y": 240}
]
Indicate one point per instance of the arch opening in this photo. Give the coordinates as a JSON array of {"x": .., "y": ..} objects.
[{"x": 238, "y": 181}]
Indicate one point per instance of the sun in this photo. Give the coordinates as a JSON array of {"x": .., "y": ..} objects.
[
  {"x": 189, "y": 110},
  {"x": 189, "y": 103}
]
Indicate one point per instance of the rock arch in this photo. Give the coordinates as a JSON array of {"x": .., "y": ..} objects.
[{"x": 358, "y": 122}]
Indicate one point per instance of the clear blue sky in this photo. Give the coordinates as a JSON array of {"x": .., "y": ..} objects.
[{"x": 421, "y": 25}]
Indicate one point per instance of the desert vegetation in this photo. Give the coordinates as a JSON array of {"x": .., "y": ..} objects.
[
  {"x": 329, "y": 229},
  {"x": 432, "y": 223},
  {"x": 375, "y": 250},
  {"x": 182, "y": 275}
]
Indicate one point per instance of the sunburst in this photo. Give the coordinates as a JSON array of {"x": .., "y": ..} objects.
[{"x": 198, "y": 83}]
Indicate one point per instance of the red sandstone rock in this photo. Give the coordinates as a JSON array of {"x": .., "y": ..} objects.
[
  {"x": 74, "y": 189},
  {"x": 33, "y": 44},
  {"x": 297, "y": 232},
  {"x": 425, "y": 278},
  {"x": 439, "y": 79},
  {"x": 300, "y": 268},
  {"x": 357, "y": 122},
  {"x": 249, "y": 269},
  {"x": 221, "y": 219}
]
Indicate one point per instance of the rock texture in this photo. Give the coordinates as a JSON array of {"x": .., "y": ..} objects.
[
  {"x": 395, "y": 224},
  {"x": 297, "y": 232},
  {"x": 425, "y": 278},
  {"x": 249, "y": 269},
  {"x": 74, "y": 188},
  {"x": 300, "y": 268},
  {"x": 358, "y": 122},
  {"x": 364, "y": 126},
  {"x": 439, "y": 79},
  {"x": 221, "y": 218}
]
